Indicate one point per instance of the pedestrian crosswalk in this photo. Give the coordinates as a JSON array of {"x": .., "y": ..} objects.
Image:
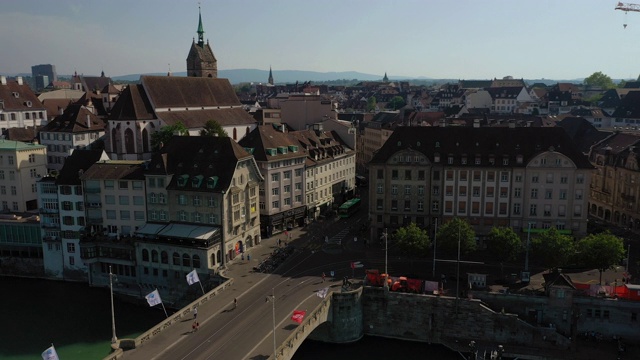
[{"x": 338, "y": 238}]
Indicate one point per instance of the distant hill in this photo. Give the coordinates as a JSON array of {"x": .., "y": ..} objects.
[{"x": 237, "y": 76}]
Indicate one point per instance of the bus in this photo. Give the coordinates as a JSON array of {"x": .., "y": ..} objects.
[{"x": 349, "y": 207}]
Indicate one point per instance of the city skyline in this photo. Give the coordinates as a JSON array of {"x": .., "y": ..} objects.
[{"x": 433, "y": 39}]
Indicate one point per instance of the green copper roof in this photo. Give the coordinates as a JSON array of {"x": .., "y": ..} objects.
[
  {"x": 18, "y": 145},
  {"x": 200, "y": 29}
]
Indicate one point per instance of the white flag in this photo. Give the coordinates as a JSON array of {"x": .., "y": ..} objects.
[
  {"x": 153, "y": 298},
  {"x": 50, "y": 354},
  {"x": 192, "y": 277},
  {"x": 322, "y": 293}
]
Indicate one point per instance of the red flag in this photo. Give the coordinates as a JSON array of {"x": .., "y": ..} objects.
[{"x": 298, "y": 316}]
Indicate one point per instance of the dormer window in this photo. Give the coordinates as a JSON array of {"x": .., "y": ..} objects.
[
  {"x": 436, "y": 157},
  {"x": 196, "y": 181},
  {"x": 182, "y": 180},
  {"x": 212, "y": 181}
]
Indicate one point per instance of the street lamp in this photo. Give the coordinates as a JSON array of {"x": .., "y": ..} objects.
[
  {"x": 114, "y": 339},
  {"x": 458, "y": 270},
  {"x": 525, "y": 274},
  {"x": 435, "y": 235},
  {"x": 272, "y": 299}
]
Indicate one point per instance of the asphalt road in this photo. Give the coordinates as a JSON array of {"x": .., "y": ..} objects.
[{"x": 246, "y": 332}]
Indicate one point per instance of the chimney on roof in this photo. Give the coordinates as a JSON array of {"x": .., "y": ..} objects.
[
  {"x": 19, "y": 79},
  {"x": 3, "y": 80},
  {"x": 88, "y": 121}
]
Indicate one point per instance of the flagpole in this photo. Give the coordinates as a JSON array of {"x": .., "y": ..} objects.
[
  {"x": 162, "y": 303},
  {"x": 201, "y": 287},
  {"x": 114, "y": 339}
]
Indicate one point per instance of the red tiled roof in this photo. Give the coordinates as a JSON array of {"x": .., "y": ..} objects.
[
  {"x": 184, "y": 92},
  {"x": 197, "y": 118},
  {"x": 19, "y": 97}
]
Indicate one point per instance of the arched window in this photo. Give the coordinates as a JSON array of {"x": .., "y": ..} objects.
[
  {"x": 213, "y": 260},
  {"x": 154, "y": 256},
  {"x": 218, "y": 257},
  {"x": 235, "y": 134},
  {"x": 114, "y": 140},
  {"x": 186, "y": 260},
  {"x": 145, "y": 140},
  {"x": 164, "y": 257},
  {"x": 196, "y": 261},
  {"x": 176, "y": 258},
  {"x": 247, "y": 132},
  {"x": 145, "y": 255},
  {"x": 128, "y": 141}
]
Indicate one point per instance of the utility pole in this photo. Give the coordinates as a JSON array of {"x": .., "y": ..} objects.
[
  {"x": 386, "y": 270},
  {"x": 435, "y": 236},
  {"x": 114, "y": 339}
]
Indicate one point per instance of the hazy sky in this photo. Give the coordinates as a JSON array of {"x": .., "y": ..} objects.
[{"x": 465, "y": 39}]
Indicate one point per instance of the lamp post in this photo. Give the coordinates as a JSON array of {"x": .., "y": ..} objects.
[
  {"x": 458, "y": 271},
  {"x": 526, "y": 258},
  {"x": 435, "y": 236},
  {"x": 272, "y": 298},
  {"x": 114, "y": 339},
  {"x": 386, "y": 273}
]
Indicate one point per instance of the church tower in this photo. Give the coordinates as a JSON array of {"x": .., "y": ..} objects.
[
  {"x": 270, "y": 76},
  {"x": 201, "y": 62}
]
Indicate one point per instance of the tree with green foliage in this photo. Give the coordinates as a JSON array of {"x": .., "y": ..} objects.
[
  {"x": 600, "y": 251},
  {"x": 162, "y": 137},
  {"x": 452, "y": 232},
  {"x": 212, "y": 128},
  {"x": 396, "y": 103},
  {"x": 553, "y": 249},
  {"x": 413, "y": 240},
  {"x": 371, "y": 104},
  {"x": 504, "y": 243},
  {"x": 599, "y": 79}
]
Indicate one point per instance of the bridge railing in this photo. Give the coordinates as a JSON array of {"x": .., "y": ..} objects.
[{"x": 128, "y": 344}]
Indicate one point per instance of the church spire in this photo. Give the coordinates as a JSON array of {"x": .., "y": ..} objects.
[
  {"x": 200, "y": 29},
  {"x": 270, "y": 76},
  {"x": 385, "y": 78}
]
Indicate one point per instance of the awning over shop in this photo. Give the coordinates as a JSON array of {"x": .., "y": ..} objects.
[
  {"x": 150, "y": 229},
  {"x": 187, "y": 231}
]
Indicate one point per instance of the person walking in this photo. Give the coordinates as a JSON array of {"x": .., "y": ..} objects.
[
  {"x": 195, "y": 326},
  {"x": 323, "y": 276},
  {"x": 195, "y": 313}
]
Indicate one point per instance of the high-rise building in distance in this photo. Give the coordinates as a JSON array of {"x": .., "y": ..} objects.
[{"x": 45, "y": 70}]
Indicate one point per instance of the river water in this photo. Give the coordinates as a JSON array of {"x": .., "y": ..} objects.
[{"x": 77, "y": 320}]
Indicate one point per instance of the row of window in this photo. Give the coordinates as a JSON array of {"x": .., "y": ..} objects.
[
  {"x": 123, "y": 200},
  {"x": 178, "y": 260},
  {"x": 476, "y": 176},
  {"x": 27, "y": 116},
  {"x": 286, "y": 189},
  {"x": 125, "y": 215},
  {"x": 285, "y": 175}
]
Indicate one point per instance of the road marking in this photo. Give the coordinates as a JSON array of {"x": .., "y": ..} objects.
[{"x": 270, "y": 334}]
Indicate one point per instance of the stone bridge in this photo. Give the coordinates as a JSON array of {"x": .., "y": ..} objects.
[{"x": 337, "y": 319}]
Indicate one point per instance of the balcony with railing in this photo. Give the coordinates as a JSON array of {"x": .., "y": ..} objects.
[
  {"x": 96, "y": 248},
  {"x": 93, "y": 205},
  {"x": 51, "y": 225}
]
